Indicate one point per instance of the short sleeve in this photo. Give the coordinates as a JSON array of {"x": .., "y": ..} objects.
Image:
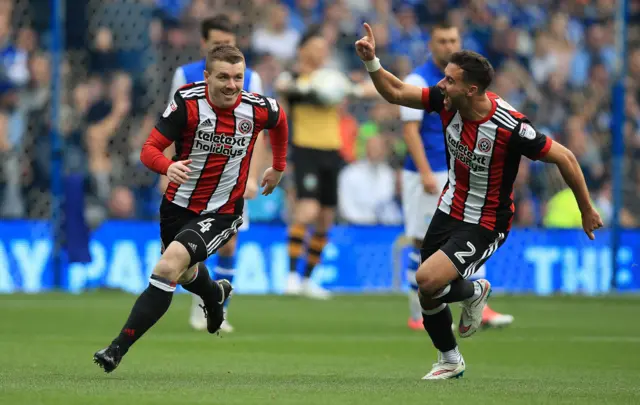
[
  {"x": 411, "y": 114},
  {"x": 174, "y": 118},
  {"x": 432, "y": 99},
  {"x": 529, "y": 142}
]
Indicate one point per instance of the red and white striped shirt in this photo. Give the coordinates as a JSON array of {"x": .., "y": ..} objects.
[
  {"x": 483, "y": 158},
  {"x": 219, "y": 142}
]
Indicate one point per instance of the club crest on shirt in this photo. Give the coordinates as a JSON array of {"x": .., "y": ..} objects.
[
  {"x": 170, "y": 108},
  {"x": 484, "y": 145},
  {"x": 527, "y": 131},
  {"x": 245, "y": 126}
]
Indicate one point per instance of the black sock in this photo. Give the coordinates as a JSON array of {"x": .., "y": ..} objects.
[
  {"x": 314, "y": 252},
  {"x": 203, "y": 286},
  {"x": 437, "y": 323},
  {"x": 149, "y": 307},
  {"x": 296, "y": 234},
  {"x": 458, "y": 290}
]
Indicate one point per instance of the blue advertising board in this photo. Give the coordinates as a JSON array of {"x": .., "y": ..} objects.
[{"x": 357, "y": 260}]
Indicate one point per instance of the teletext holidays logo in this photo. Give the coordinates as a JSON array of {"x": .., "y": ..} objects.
[
  {"x": 221, "y": 144},
  {"x": 464, "y": 155}
]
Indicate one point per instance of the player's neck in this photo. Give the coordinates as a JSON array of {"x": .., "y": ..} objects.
[{"x": 477, "y": 108}]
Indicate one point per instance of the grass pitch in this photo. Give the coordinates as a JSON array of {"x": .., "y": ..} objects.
[{"x": 351, "y": 350}]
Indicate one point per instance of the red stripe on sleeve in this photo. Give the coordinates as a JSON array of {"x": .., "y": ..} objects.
[
  {"x": 545, "y": 149},
  {"x": 152, "y": 152},
  {"x": 425, "y": 99}
]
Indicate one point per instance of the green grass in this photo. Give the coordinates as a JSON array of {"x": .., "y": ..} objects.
[{"x": 351, "y": 350}]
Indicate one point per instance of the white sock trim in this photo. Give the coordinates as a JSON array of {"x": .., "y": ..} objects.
[
  {"x": 444, "y": 292},
  {"x": 452, "y": 356},
  {"x": 162, "y": 286},
  {"x": 224, "y": 272},
  {"x": 435, "y": 310}
]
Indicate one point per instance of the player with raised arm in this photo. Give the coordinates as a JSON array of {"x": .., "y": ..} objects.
[
  {"x": 485, "y": 139},
  {"x": 214, "y": 125},
  {"x": 216, "y": 31},
  {"x": 425, "y": 170}
]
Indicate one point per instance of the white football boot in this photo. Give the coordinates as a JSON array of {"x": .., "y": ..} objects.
[
  {"x": 495, "y": 319},
  {"x": 472, "y": 308},
  {"x": 226, "y": 326},
  {"x": 312, "y": 290},
  {"x": 293, "y": 286},
  {"x": 197, "y": 320},
  {"x": 445, "y": 371}
]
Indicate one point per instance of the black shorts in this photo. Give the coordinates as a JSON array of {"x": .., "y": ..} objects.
[
  {"x": 316, "y": 173},
  {"x": 468, "y": 246},
  {"x": 202, "y": 235}
]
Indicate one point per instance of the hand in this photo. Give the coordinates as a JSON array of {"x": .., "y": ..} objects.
[
  {"x": 251, "y": 190},
  {"x": 430, "y": 183},
  {"x": 177, "y": 172},
  {"x": 591, "y": 221},
  {"x": 270, "y": 180},
  {"x": 283, "y": 82},
  {"x": 366, "y": 46}
]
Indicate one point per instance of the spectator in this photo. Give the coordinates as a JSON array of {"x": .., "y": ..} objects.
[
  {"x": 595, "y": 51},
  {"x": 276, "y": 38},
  {"x": 366, "y": 189},
  {"x": 106, "y": 118},
  {"x": 103, "y": 59}
]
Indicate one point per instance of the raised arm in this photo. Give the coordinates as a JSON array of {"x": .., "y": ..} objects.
[{"x": 389, "y": 86}]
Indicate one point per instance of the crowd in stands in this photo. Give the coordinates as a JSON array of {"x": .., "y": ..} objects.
[{"x": 555, "y": 61}]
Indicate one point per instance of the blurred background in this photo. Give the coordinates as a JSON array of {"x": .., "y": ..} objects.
[{"x": 102, "y": 77}]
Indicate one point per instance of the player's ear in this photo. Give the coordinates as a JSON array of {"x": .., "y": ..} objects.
[
  {"x": 206, "y": 76},
  {"x": 473, "y": 90}
]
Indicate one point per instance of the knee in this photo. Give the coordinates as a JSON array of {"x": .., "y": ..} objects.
[
  {"x": 173, "y": 263},
  {"x": 428, "y": 284},
  {"x": 325, "y": 220},
  {"x": 307, "y": 211}
]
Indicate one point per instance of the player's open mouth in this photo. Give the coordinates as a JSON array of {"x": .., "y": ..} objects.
[{"x": 447, "y": 100}]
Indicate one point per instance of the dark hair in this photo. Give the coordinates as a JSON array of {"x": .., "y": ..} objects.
[
  {"x": 441, "y": 25},
  {"x": 220, "y": 23},
  {"x": 313, "y": 31},
  {"x": 224, "y": 53},
  {"x": 476, "y": 68}
]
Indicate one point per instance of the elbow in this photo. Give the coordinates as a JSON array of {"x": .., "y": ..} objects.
[
  {"x": 144, "y": 154},
  {"x": 393, "y": 96},
  {"x": 569, "y": 159}
]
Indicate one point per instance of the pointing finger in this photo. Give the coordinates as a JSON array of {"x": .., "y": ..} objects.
[{"x": 368, "y": 29}]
